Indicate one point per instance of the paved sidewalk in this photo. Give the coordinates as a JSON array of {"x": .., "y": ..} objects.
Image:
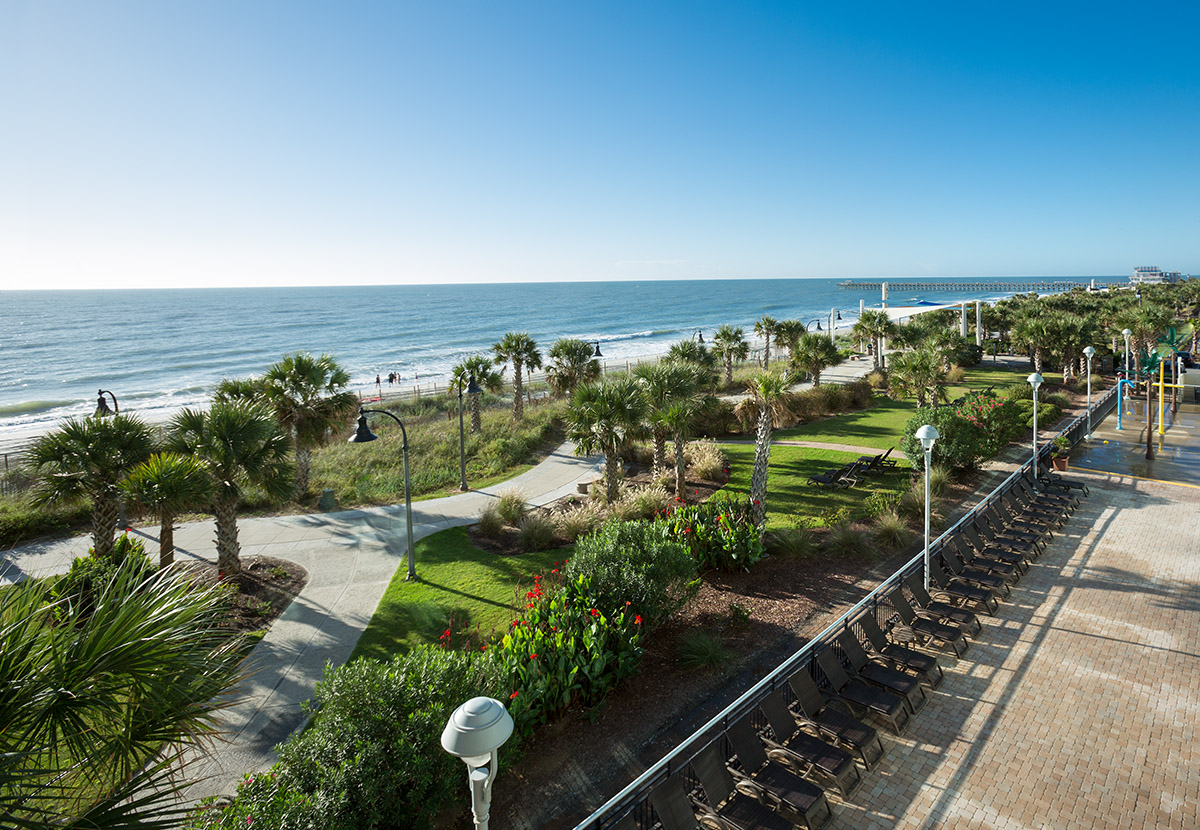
[
  {"x": 1077, "y": 705},
  {"x": 350, "y": 557}
]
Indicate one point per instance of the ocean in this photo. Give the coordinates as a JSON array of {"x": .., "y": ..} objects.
[{"x": 160, "y": 350}]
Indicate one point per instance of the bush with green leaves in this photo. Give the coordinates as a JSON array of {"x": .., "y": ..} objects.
[
  {"x": 90, "y": 575},
  {"x": 960, "y": 444},
  {"x": 490, "y": 523},
  {"x": 844, "y": 540},
  {"x": 715, "y": 420},
  {"x": 720, "y": 532},
  {"x": 998, "y": 418},
  {"x": 881, "y": 502},
  {"x": 1048, "y": 413},
  {"x": 641, "y": 562},
  {"x": 891, "y": 531}
]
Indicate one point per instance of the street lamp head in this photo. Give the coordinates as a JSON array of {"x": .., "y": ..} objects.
[
  {"x": 1035, "y": 380},
  {"x": 476, "y": 729},
  {"x": 927, "y": 435},
  {"x": 473, "y": 388},
  {"x": 597, "y": 352},
  {"x": 1090, "y": 352},
  {"x": 1126, "y": 332},
  {"x": 102, "y": 405},
  {"x": 363, "y": 434}
]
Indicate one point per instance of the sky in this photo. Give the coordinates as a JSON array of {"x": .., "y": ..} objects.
[{"x": 152, "y": 144}]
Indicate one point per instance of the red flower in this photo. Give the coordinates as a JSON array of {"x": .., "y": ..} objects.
[
  {"x": 554, "y": 571},
  {"x": 628, "y": 603},
  {"x": 483, "y": 648},
  {"x": 637, "y": 620},
  {"x": 533, "y": 656},
  {"x": 595, "y": 613},
  {"x": 513, "y": 696}
]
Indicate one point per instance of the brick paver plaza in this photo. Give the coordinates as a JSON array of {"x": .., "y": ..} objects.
[{"x": 1077, "y": 706}]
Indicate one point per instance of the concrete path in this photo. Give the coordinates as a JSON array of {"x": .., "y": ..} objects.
[
  {"x": 819, "y": 445},
  {"x": 350, "y": 557}
]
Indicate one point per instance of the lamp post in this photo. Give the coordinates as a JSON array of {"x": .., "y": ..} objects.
[
  {"x": 927, "y": 435},
  {"x": 472, "y": 389},
  {"x": 474, "y": 733},
  {"x": 102, "y": 404},
  {"x": 1126, "y": 332},
  {"x": 816, "y": 320},
  {"x": 361, "y": 436},
  {"x": 1090, "y": 353},
  {"x": 833, "y": 314},
  {"x": 699, "y": 335},
  {"x": 1035, "y": 380},
  {"x": 597, "y": 352}
]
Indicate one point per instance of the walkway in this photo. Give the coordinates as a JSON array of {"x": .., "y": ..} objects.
[
  {"x": 1077, "y": 706},
  {"x": 350, "y": 557}
]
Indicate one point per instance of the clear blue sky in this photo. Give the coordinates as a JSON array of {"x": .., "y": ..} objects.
[{"x": 268, "y": 143}]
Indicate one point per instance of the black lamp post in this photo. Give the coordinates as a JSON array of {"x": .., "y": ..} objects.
[
  {"x": 816, "y": 320},
  {"x": 472, "y": 389},
  {"x": 597, "y": 352},
  {"x": 700, "y": 337},
  {"x": 102, "y": 404},
  {"x": 361, "y": 436}
]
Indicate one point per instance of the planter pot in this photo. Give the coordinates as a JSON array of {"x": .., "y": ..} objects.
[{"x": 1060, "y": 464}]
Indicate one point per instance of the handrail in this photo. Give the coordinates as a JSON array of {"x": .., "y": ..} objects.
[{"x": 626, "y": 800}]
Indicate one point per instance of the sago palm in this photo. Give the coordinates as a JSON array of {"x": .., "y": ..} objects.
[
  {"x": 169, "y": 484},
  {"x": 486, "y": 377},
  {"x": 240, "y": 444},
  {"x": 572, "y": 363},
  {"x": 309, "y": 397},
  {"x": 813, "y": 354},
  {"x": 603, "y": 417},
  {"x": 767, "y": 400},
  {"x": 729, "y": 344},
  {"x": 85, "y": 460},
  {"x": 521, "y": 350},
  {"x": 920, "y": 374}
]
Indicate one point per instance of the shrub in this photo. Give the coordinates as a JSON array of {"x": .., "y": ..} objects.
[
  {"x": 641, "y": 452},
  {"x": 878, "y": 379},
  {"x": 706, "y": 459},
  {"x": 1019, "y": 391},
  {"x": 834, "y": 397},
  {"x": 637, "y": 562},
  {"x": 512, "y": 506},
  {"x": 716, "y": 420},
  {"x": 490, "y": 523},
  {"x": 912, "y": 508},
  {"x": 879, "y": 503},
  {"x": 960, "y": 443},
  {"x": 703, "y": 651},
  {"x": 1059, "y": 399},
  {"x": 844, "y": 540},
  {"x": 793, "y": 541},
  {"x": 535, "y": 532},
  {"x": 1048, "y": 413},
  {"x": 891, "y": 531},
  {"x": 720, "y": 533},
  {"x": 940, "y": 480},
  {"x": 836, "y": 517},
  {"x": 806, "y": 406},
  {"x": 578, "y": 521},
  {"x": 999, "y": 419},
  {"x": 641, "y": 503},
  {"x": 955, "y": 375},
  {"x": 90, "y": 575},
  {"x": 860, "y": 392}
]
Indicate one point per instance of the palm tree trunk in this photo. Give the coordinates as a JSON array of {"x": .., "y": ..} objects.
[
  {"x": 104, "y": 525},
  {"x": 816, "y": 378},
  {"x": 766, "y": 351},
  {"x": 680, "y": 468},
  {"x": 729, "y": 370},
  {"x": 166, "y": 541},
  {"x": 762, "y": 461},
  {"x": 660, "y": 451},
  {"x": 228, "y": 562},
  {"x": 610, "y": 476},
  {"x": 875, "y": 352},
  {"x": 476, "y": 413},
  {"x": 518, "y": 398},
  {"x": 303, "y": 466}
]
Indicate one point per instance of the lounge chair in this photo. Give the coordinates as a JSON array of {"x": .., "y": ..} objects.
[
  {"x": 998, "y": 515},
  {"x": 673, "y": 808},
  {"x": 1024, "y": 542},
  {"x": 931, "y": 608},
  {"x": 820, "y": 712},
  {"x": 892, "y": 709},
  {"x": 963, "y": 592},
  {"x": 924, "y": 666},
  {"x": 932, "y": 631},
  {"x": 986, "y": 559},
  {"x": 805, "y": 754},
  {"x": 959, "y": 571},
  {"x": 1024, "y": 502},
  {"x": 900, "y": 683},
  {"x": 839, "y": 479},
  {"x": 977, "y": 538},
  {"x": 1045, "y": 497},
  {"x": 737, "y": 807},
  {"x": 1049, "y": 479},
  {"x": 774, "y": 784}
]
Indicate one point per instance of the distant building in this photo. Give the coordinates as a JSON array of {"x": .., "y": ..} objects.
[{"x": 1153, "y": 275}]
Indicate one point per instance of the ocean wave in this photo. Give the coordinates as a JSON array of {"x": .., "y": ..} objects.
[{"x": 32, "y": 407}]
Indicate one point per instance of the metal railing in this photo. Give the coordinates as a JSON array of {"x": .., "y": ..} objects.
[{"x": 632, "y": 800}]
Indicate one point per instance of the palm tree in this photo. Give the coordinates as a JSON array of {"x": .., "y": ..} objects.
[
  {"x": 85, "y": 460},
  {"x": 679, "y": 419},
  {"x": 169, "y": 484},
  {"x": 920, "y": 374},
  {"x": 664, "y": 384},
  {"x": 876, "y": 326},
  {"x": 98, "y": 708},
  {"x": 572, "y": 363},
  {"x": 486, "y": 377},
  {"x": 603, "y": 417},
  {"x": 240, "y": 444},
  {"x": 787, "y": 334},
  {"x": 519, "y": 349},
  {"x": 813, "y": 353},
  {"x": 767, "y": 399},
  {"x": 1034, "y": 332},
  {"x": 696, "y": 355},
  {"x": 309, "y": 397},
  {"x": 765, "y": 328},
  {"x": 729, "y": 344}
]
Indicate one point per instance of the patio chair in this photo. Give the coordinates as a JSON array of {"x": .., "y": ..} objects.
[
  {"x": 871, "y": 462},
  {"x": 984, "y": 535},
  {"x": 900, "y": 683},
  {"x": 673, "y": 807},
  {"x": 986, "y": 559},
  {"x": 831, "y": 479},
  {"x": 978, "y": 577},
  {"x": 805, "y": 754},
  {"x": 1024, "y": 503},
  {"x": 933, "y": 631},
  {"x": 998, "y": 515},
  {"x": 980, "y": 599},
  {"x": 626, "y": 822},
  {"x": 1046, "y": 497},
  {"x": 931, "y": 608},
  {"x": 924, "y": 666},
  {"x": 892, "y": 709},
  {"x": 1050, "y": 479},
  {"x": 820, "y": 712},
  {"x": 977, "y": 536},
  {"x": 774, "y": 784},
  {"x": 737, "y": 807}
]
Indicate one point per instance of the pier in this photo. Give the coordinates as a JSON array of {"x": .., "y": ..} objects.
[{"x": 1039, "y": 286}]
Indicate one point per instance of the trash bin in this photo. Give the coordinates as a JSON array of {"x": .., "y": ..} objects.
[{"x": 328, "y": 500}]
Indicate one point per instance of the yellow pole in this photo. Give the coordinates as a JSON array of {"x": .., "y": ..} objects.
[{"x": 1162, "y": 368}]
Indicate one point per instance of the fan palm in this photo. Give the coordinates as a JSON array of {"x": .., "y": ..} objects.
[
  {"x": 98, "y": 708},
  {"x": 875, "y": 326},
  {"x": 664, "y": 384},
  {"x": 765, "y": 328},
  {"x": 767, "y": 400},
  {"x": 729, "y": 344},
  {"x": 309, "y": 397},
  {"x": 920, "y": 374},
  {"x": 169, "y": 484},
  {"x": 486, "y": 377},
  {"x": 696, "y": 355},
  {"x": 240, "y": 444},
  {"x": 679, "y": 419},
  {"x": 602, "y": 418},
  {"x": 813, "y": 354},
  {"x": 85, "y": 460},
  {"x": 1034, "y": 332},
  {"x": 519, "y": 349},
  {"x": 571, "y": 364},
  {"x": 787, "y": 333}
]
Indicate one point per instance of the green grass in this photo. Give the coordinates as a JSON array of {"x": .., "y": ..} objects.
[
  {"x": 788, "y": 496},
  {"x": 458, "y": 582}
]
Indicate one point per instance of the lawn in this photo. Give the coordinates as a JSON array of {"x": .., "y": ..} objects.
[
  {"x": 788, "y": 496},
  {"x": 459, "y": 584}
]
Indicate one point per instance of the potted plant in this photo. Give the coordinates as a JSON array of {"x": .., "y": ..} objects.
[{"x": 1062, "y": 449}]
